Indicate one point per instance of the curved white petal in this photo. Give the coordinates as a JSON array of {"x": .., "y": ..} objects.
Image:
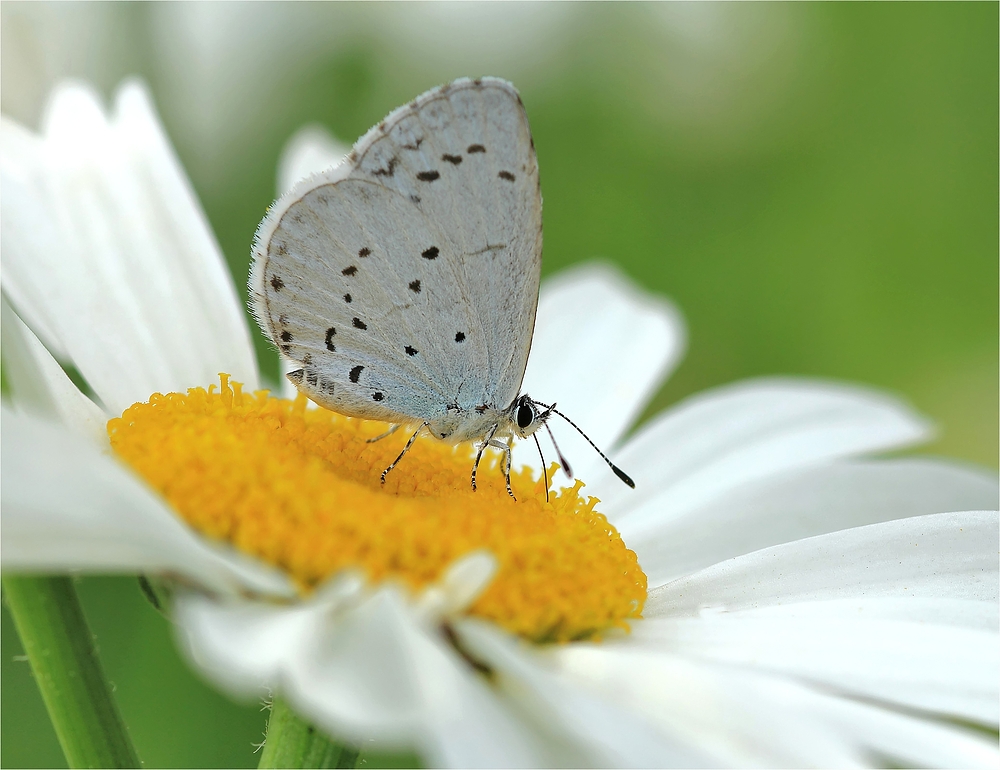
[
  {"x": 310, "y": 150},
  {"x": 715, "y": 441},
  {"x": 805, "y": 502},
  {"x": 459, "y": 586},
  {"x": 106, "y": 249},
  {"x": 601, "y": 350},
  {"x": 914, "y": 663},
  {"x": 748, "y": 718},
  {"x": 586, "y": 730},
  {"x": 38, "y": 384},
  {"x": 359, "y": 671},
  {"x": 27, "y": 227},
  {"x": 67, "y": 507},
  {"x": 972, "y": 614},
  {"x": 243, "y": 646},
  {"x": 944, "y": 555},
  {"x": 735, "y": 718},
  {"x": 888, "y": 738}
]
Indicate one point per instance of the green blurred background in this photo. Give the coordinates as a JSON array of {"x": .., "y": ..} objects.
[{"x": 815, "y": 185}]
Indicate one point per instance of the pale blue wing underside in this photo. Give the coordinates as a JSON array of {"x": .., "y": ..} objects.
[{"x": 405, "y": 281}]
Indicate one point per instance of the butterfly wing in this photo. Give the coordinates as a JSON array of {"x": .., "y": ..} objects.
[{"x": 405, "y": 281}]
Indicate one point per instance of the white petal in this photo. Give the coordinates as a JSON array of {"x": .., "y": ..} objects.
[
  {"x": 68, "y": 507},
  {"x": 39, "y": 386},
  {"x": 746, "y": 718},
  {"x": 458, "y": 588},
  {"x": 715, "y": 441},
  {"x": 803, "y": 503},
  {"x": 945, "y": 555},
  {"x": 310, "y": 150},
  {"x": 132, "y": 283},
  {"x": 917, "y": 664},
  {"x": 360, "y": 672},
  {"x": 893, "y": 739},
  {"x": 970, "y": 614},
  {"x": 585, "y": 730},
  {"x": 27, "y": 226},
  {"x": 243, "y": 646},
  {"x": 601, "y": 350},
  {"x": 736, "y": 718}
]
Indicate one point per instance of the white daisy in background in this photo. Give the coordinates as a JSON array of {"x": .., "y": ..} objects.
[{"x": 806, "y": 606}]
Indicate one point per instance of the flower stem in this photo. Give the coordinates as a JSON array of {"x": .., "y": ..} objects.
[
  {"x": 60, "y": 648},
  {"x": 292, "y": 742}
]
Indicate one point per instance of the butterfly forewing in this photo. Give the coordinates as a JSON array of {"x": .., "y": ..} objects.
[{"x": 404, "y": 282}]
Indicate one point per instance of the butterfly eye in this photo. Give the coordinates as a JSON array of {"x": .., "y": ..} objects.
[{"x": 525, "y": 414}]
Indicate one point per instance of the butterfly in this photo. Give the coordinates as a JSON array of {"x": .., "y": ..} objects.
[{"x": 402, "y": 284}]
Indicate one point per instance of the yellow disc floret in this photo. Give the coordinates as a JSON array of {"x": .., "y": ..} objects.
[{"x": 299, "y": 488}]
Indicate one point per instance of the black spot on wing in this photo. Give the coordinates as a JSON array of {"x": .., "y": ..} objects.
[
  {"x": 329, "y": 340},
  {"x": 356, "y": 373},
  {"x": 376, "y": 396},
  {"x": 415, "y": 286},
  {"x": 410, "y": 350},
  {"x": 453, "y": 159},
  {"x": 428, "y": 176},
  {"x": 364, "y": 252},
  {"x": 430, "y": 253},
  {"x": 349, "y": 270},
  {"x": 286, "y": 336},
  {"x": 475, "y": 148},
  {"x": 390, "y": 167},
  {"x": 506, "y": 175},
  {"x": 348, "y": 299},
  {"x": 460, "y": 337},
  {"x": 357, "y": 323},
  {"x": 276, "y": 283}
]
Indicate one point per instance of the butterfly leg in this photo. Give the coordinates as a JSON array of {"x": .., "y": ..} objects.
[
  {"x": 405, "y": 450},
  {"x": 505, "y": 446},
  {"x": 388, "y": 433},
  {"x": 479, "y": 454}
]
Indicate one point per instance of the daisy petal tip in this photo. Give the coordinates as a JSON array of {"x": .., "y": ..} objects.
[
  {"x": 310, "y": 150},
  {"x": 469, "y": 576},
  {"x": 74, "y": 111},
  {"x": 460, "y": 585},
  {"x": 134, "y": 91},
  {"x": 343, "y": 589}
]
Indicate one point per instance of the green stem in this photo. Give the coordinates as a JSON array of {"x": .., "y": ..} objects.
[
  {"x": 60, "y": 648},
  {"x": 292, "y": 742}
]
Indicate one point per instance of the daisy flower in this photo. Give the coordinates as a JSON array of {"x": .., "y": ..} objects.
[{"x": 767, "y": 595}]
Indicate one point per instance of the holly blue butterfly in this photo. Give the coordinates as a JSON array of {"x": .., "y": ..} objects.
[{"x": 403, "y": 283}]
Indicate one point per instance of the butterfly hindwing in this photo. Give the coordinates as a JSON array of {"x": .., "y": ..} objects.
[{"x": 421, "y": 253}]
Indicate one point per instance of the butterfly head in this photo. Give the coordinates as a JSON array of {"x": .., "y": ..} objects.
[{"x": 526, "y": 417}]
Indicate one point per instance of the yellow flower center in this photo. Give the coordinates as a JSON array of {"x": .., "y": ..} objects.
[{"x": 299, "y": 488}]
